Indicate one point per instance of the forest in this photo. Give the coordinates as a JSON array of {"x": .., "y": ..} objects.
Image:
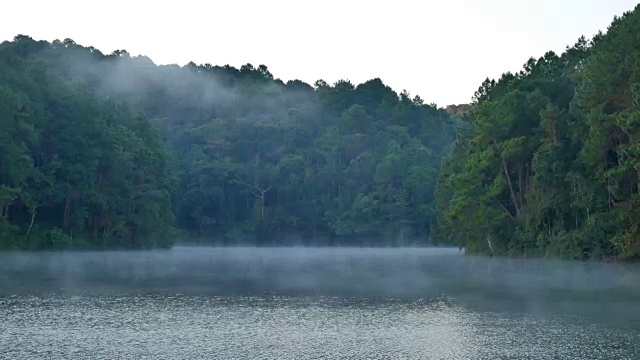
[
  {"x": 547, "y": 162},
  {"x": 113, "y": 151}
]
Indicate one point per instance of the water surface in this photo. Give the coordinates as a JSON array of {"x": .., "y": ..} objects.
[{"x": 301, "y": 303}]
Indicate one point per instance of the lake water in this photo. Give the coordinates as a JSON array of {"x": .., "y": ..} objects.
[{"x": 330, "y": 303}]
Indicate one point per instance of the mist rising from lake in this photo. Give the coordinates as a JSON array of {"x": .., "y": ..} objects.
[{"x": 192, "y": 302}]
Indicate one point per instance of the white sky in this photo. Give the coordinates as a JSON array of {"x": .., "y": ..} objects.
[{"x": 440, "y": 50}]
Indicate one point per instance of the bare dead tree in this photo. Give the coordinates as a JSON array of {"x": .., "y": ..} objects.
[
  {"x": 258, "y": 192},
  {"x": 33, "y": 217}
]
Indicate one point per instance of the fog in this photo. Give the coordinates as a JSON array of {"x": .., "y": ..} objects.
[
  {"x": 600, "y": 291},
  {"x": 188, "y": 93}
]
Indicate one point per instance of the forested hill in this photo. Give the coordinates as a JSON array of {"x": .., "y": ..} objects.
[
  {"x": 102, "y": 151},
  {"x": 548, "y": 163}
]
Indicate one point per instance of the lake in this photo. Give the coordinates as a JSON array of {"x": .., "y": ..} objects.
[{"x": 314, "y": 303}]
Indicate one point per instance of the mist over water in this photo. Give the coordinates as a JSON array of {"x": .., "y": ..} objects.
[{"x": 299, "y": 303}]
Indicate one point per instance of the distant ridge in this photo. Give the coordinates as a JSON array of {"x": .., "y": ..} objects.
[{"x": 459, "y": 110}]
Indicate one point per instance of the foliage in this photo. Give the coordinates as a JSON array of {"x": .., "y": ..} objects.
[
  {"x": 75, "y": 169},
  {"x": 548, "y": 161},
  {"x": 113, "y": 151}
]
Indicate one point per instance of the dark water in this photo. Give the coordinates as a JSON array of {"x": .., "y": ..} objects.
[{"x": 240, "y": 303}]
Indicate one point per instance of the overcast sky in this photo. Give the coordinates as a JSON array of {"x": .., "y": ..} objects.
[{"x": 440, "y": 50}]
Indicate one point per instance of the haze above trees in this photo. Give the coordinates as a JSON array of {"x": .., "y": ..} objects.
[
  {"x": 112, "y": 151},
  {"x": 102, "y": 151}
]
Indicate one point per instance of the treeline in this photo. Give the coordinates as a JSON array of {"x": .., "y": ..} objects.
[
  {"x": 75, "y": 170},
  {"x": 548, "y": 161},
  {"x": 113, "y": 151}
]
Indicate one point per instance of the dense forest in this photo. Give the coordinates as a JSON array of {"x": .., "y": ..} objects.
[
  {"x": 113, "y": 151},
  {"x": 104, "y": 151},
  {"x": 548, "y": 161}
]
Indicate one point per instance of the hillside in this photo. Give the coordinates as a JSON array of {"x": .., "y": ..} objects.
[
  {"x": 459, "y": 110},
  {"x": 548, "y": 162},
  {"x": 115, "y": 151}
]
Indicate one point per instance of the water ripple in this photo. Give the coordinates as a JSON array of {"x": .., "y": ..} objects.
[{"x": 192, "y": 327}]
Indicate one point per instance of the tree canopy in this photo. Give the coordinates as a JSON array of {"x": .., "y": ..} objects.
[
  {"x": 547, "y": 163},
  {"x": 111, "y": 150}
]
